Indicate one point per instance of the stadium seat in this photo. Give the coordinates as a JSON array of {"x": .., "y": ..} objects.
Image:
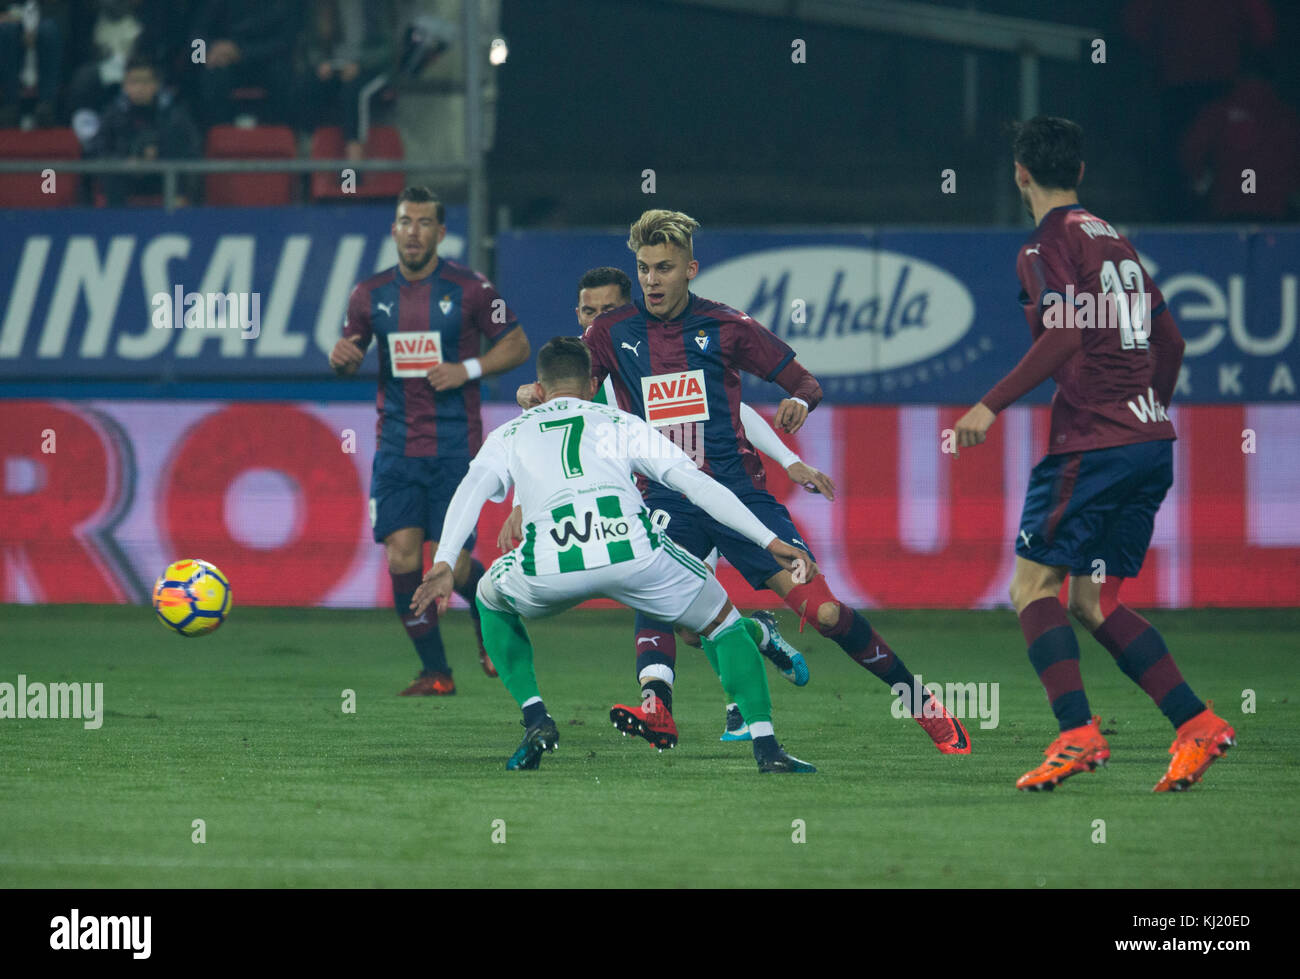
[
  {"x": 382, "y": 143},
  {"x": 326, "y": 144},
  {"x": 24, "y": 189},
  {"x": 250, "y": 189}
]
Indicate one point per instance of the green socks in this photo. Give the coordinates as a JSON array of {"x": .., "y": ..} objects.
[
  {"x": 734, "y": 654},
  {"x": 507, "y": 642}
]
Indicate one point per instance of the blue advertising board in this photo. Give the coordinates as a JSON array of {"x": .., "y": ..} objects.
[
  {"x": 922, "y": 316},
  {"x": 101, "y": 293},
  {"x": 880, "y": 316}
]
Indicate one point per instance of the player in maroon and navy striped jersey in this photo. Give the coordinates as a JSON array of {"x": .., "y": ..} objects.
[
  {"x": 1102, "y": 331},
  {"x": 430, "y": 316},
  {"x": 675, "y": 359}
]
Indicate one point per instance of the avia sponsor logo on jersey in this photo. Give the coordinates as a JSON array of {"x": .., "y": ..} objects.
[
  {"x": 594, "y": 529},
  {"x": 828, "y": 301},
  {"x": 412, "y": 354},
  {"x": 673, "y": 398}
]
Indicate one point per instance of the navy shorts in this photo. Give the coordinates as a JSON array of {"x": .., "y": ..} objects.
[
  {"x": 413, "y": 491},
  {"x": 1082, "y": 507},
  {"x": 692, "y": 528}
]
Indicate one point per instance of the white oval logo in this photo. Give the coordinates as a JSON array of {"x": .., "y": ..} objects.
[{"x": 863, "y": 309}]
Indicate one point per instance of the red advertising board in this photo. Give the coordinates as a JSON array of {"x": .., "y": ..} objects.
[{"x": 98, "y": 496}]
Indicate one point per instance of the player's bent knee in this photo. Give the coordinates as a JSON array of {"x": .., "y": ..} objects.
[
  {"x": 704, "y": 608},
  {"x": 1089, "y": 613},
  {"x": 828, "y": 614},
  {"x": 487, "y": 594}
]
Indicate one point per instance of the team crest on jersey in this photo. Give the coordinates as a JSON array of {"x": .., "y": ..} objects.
[
  {"x": 412, "y": 354},
  {"x": 702, "y": 341},
  {"x": 444, "y": 304},
  {"x": 673, "y": 398}
]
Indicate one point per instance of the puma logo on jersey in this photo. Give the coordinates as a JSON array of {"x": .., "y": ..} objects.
[
  {"x": 1024, "y": 536},
  {"x": 631, "y": 347},
  {"x": 1033, "y": 251},
  {"x": 385, "y": 308}
]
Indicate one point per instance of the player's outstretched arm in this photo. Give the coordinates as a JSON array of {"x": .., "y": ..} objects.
[
  {"x": 764, "y": 438},
  {"x": 484, "y": 481},
  {"x": 665, "y": 463},
  {"x": 1046, "y": 355}
]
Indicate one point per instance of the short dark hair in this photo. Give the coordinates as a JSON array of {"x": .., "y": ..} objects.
[
  {"x": 563, "y": 359},
  {"x": 606, "y": 276},
  {"x": 1051, "y": 149},
  {"x": 423, "y": 195},
  {"x": 138, "y": 61}
]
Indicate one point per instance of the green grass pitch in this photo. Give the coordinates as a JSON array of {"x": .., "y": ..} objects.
[{"x": 245, "y": 730}]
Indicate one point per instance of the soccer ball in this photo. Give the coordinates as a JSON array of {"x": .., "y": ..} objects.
[{"x": 192, "y": 597}]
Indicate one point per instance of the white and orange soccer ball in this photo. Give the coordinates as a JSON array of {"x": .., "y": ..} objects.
[{"x": 192, "y": 597}]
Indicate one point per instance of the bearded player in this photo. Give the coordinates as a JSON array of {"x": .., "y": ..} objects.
[
  {"x": 1102, "y": 331},
  {"x": 675, "y": 360},
  {"x": 431, "y": 317}
]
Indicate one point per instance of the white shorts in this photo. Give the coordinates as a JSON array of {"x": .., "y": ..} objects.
[{"x": 668, "y": 584}]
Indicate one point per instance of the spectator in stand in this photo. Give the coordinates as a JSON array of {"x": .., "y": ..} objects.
[
  {"x": 346, "y": 44},
  {"x": 31, "y": 26},
  {"x": 99, "y": 79},
  {"x": 1196, "y": 48},
  {"x": 248, "y": 42},
  {"x": 1250, "y": 128},
  {"x": 145, "y": 122}
]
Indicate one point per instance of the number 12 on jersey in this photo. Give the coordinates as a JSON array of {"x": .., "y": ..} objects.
[{"x": 1131, "y": 313}]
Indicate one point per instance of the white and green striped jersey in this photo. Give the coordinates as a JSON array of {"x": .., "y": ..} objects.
[{"x": 571, "y": 463}]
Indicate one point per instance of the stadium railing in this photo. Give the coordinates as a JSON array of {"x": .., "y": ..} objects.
[{"x": 171, "y": 170}]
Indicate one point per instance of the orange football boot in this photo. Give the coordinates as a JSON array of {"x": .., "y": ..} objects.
[
  {"x": 430, "y": 684},
  {"x": 1080, "y": 749},
  {"x": 1201, "y": 740}
]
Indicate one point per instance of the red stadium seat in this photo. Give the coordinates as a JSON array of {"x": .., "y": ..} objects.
[
  {"x": 382, "y": 143},
  {"x": 24, "y": 189},
  {"x": 326, "y": 144},
  {"x": 250, "y": 189}
]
